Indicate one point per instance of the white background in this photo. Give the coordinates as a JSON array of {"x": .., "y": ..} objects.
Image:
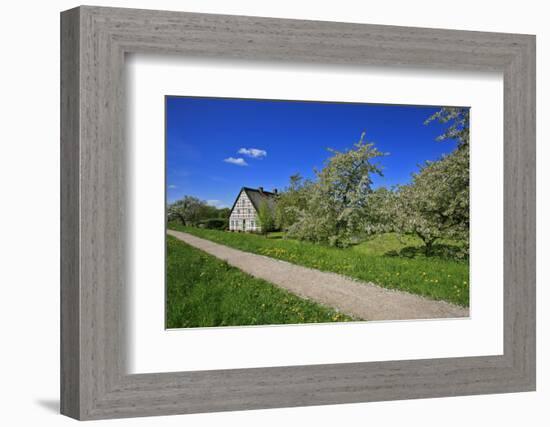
[
  {"x": 29, "y": 216},
  {"x": 152, "y": 349}
]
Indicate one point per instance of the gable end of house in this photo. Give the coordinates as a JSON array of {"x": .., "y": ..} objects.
[{"x": 243, "y": 215}]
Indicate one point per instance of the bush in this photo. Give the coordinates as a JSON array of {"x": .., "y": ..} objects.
[
  {"x": 213, "y": 223},
  {"x": 265, "y": 218}
]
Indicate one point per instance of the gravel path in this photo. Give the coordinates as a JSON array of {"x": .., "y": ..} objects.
[{"x": 359, "y": 299}]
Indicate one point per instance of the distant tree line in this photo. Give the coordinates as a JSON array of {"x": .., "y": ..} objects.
[{"x": 194, "y": 212}]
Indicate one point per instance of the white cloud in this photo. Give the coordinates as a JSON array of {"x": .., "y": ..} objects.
[
  {"x": 216, "y": 203},
  {"x": 236, "y": 161},
  {"x": 255, "y": 153},
  {"x": 172, "y": 186}
]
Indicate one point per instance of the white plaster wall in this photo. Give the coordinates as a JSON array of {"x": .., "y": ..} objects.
[{"x": 243, "y": 211}]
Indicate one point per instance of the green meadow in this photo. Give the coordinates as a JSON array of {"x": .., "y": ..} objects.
[
  {"x": 389, "y": 260},
  {"x": 203, "y": 291}
]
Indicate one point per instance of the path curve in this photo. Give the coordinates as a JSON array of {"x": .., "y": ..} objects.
[{"x": 359, "y": 299}]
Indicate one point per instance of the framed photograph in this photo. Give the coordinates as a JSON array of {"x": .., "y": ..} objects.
[{"x": 262, "y": 213}]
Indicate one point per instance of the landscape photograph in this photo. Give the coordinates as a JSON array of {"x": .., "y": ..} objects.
[{"x": 282, "y": 212}]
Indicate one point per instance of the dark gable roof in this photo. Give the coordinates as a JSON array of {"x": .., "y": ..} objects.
[{"x": 257, "y": 197}]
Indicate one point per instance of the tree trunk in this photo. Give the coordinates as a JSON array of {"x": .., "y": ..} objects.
[
  {"x": 181, "y": 218},
  {"x": 428, "y": 244},
  {"x": 429, "y": 247}
]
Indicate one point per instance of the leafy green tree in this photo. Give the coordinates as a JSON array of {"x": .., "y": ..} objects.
[
  {"x": 190, "y": 211},
  {"x": 437, "y": 202},
  {"x": 265, "y": 217},
  {"x": 292, "y": 202},
  {"x": 223, "y": 213},
  {"x": 187, "y": 210},
  {"x": 378, "y": 215},
  {"x": 458, "y": 120},
  {"x": 337, "y": 199}
]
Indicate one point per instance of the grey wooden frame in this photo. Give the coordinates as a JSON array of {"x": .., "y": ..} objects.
[{"x": 94, "y": 382}]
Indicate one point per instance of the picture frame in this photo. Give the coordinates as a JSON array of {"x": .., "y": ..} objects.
[{"x": 94, "y": 42}]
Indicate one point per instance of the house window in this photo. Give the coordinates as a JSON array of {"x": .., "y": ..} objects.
[
  {"x": 252, "y": 224},
  {"x": 248, "y": 211}
]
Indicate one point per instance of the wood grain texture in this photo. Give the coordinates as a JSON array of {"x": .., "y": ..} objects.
[
  {"x": 94, "y": 273},
  {"x": 70, "y": 297}
]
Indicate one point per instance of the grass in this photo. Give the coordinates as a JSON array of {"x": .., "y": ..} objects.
[
  {"x": 275, "y": 235},
  {"x": 387, "y": 260},
  {"x": 203, "y": 291},
  {"x": 407, "y": 246}
]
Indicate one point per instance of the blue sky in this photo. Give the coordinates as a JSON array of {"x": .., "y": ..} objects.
[{"x": 215, "y": 146}]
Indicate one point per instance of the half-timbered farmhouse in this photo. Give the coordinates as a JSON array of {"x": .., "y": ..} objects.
[{"x": 244, "y": 213}]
